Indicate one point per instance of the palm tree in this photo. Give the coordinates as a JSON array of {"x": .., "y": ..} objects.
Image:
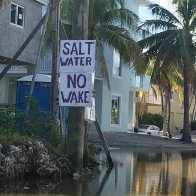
[
  {"x": 110, "y": 23},
  {"x": 162, "y": 81},
  {"x": 173, "y": 46}
]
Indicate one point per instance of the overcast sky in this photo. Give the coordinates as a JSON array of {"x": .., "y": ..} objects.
[
  {"x": 144, "y": 12},
  {"x": 164, "y": 3}
]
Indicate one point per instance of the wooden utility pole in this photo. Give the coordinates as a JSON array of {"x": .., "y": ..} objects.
[
  {"x": 75, "y": 136},
  {"x": 55, "y": 49}
]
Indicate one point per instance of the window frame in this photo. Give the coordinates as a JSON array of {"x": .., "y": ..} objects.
[
  {"x": 16, "y": 16},
  {"x": 119, "y": 110},
  {"x": 120, "y": 64},
  {"x": 141, "y": 81},
  {"x": 172, "y": 96}
]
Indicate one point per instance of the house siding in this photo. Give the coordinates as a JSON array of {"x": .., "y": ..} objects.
[
  {"x": 13, "y": 36},
  {"x": 3, "y": 90}
]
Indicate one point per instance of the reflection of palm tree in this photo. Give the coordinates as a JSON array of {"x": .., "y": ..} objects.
[
  {"x": 139, "y": 174},
  {"x": 164, "y": 174},
  {"x": 185, "y": 165}
]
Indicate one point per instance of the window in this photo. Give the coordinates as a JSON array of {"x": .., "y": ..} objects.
[
  {"x": 117, "y": 65},
  {"x": 172, "y": 95},
  {"x": 115, "y": 110},
  {"x": 141, "y": 81},
  {"x": 17, "y": 15}
]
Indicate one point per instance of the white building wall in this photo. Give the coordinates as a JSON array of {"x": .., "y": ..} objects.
[
  {"x": 4, "y": 89},
  {"x": 118, "y": 86}
]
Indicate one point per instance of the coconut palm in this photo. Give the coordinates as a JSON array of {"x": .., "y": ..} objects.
[
  {"x": 110, "y": 23},
  {"x": 173, "y": 46}
]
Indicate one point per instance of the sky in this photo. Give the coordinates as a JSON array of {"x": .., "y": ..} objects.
[
  {"x": 144, "y": 12},
  {"x": 164, "y": 3}
]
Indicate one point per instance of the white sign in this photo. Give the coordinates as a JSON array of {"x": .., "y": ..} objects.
[
  {"x": 77, "y": 56},
  {"x": 75, "y": 89}
]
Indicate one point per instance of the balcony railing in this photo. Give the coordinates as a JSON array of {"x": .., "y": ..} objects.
[
  {"x": 45, "y": 64},
  {"x": 15, "y": 69}
]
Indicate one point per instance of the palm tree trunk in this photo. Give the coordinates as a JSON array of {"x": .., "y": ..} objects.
[
  {"x": 162, "y": 107},
  {"x": 169, "y": 113},
  {"x": 186, "y": 136},
  {"x": 75, "y": 136},
  {"x": 165, "y": 113}
]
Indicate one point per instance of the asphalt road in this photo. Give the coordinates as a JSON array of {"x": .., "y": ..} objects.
[{"x": 125, "y": 139}]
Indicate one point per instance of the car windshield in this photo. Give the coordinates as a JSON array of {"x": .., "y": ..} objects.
[{"x": 143, "y": 126}]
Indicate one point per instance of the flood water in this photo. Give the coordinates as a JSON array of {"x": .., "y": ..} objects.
[{"x": 137, "y": 172}]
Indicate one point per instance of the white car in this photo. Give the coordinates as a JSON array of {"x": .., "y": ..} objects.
[{"x": 150, "y": 129}]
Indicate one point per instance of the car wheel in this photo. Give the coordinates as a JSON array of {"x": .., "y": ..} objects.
[{"x": 148, "y": 133}]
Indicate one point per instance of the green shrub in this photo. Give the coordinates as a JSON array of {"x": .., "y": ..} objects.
[
  {"x": 94, "y": 150},
  {"x": 193, "y": 125},
  {"x": 37, "y": 123},
  {"x": 7, "y": 120},
  {"x": 152, "y": 119}
]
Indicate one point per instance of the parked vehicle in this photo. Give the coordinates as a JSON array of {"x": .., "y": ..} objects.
[{"x": 150, "y": 129}]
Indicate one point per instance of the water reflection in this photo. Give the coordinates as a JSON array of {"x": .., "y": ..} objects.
[
  {"x": 153, "y": 173},
  {"x": 140, "y": 172}
]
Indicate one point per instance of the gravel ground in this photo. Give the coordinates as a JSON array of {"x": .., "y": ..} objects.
[{"x": 125, "y": 139}]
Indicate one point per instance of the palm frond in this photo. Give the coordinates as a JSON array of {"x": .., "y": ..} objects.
[
  {"x": 68, "y": 29},
  {"x": 169, "y": 46},
  {"x": 163, "y": 14},
  {"x": 191, "y": 9},
  {"x": 193, "y": 24},
  {"x": 122, "y": 16},
  {"x": 167, "y": 65},
  {"x": 98, "y": 8},
  {"x": 66, "y": 11},
  {"x": 158, "y": 24},
  {"x": 121, "y": 3},
  {"x": 120, "y": 39},
  {"x": 155, "y": 39},
  {"x": 186, "y": 9},
  {"x": 102, "y": 61},
  {"x": 185, "y": 48},
  {"x": 151, "y": 52}
]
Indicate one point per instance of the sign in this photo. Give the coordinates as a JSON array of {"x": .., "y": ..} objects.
[
  {"x": 76, "y": 89},
  {"x": 77, "y": 56}
]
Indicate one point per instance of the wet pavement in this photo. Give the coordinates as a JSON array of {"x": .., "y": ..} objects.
[{"x": 126, "y": 139}]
